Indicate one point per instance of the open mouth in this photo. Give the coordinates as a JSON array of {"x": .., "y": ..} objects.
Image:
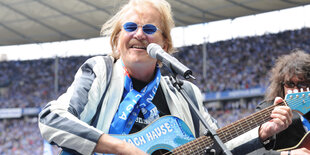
[{"x": 138, "y": 47}]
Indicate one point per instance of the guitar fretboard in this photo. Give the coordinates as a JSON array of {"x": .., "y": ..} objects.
[{"x": 228, "y": 132}]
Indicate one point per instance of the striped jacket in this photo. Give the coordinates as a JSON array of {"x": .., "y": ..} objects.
[{"x": 65, "y": 121}]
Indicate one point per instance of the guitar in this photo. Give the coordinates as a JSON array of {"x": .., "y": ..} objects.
[
  {"x": 303, "y": 108},
  {"x": 170, "y": 134}
]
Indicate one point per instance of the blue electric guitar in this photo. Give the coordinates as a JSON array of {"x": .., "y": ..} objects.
[{"x": 170, "y": 135}]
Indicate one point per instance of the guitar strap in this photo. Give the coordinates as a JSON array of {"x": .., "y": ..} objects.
[{"x": 109, "y": 66}]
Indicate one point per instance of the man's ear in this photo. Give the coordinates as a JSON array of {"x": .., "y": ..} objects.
[{"x": 165, "y": 46}]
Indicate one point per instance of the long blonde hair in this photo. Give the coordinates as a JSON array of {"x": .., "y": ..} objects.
[{"x": 113, "y": 26}]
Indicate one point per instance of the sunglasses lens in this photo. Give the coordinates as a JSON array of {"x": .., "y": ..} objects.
[
  {"x": 289, "y": 84},
  {"x": 299, "y": 85},
  {"x": 302, "y": 85},
  {"x": 130, "y": 26},
  {"x": 149, "y": 29}
]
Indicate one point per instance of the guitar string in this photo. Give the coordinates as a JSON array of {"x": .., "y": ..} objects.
[
  {"x": 189, "y": 146},
  {"x": 192, "y": 146},
  {"x": 246, "y": 124},
  {"x": 294, "y": 104},
  {"x": 185, "y": 149},
  {"x": 306, "y": 97},
  {"x": 203, "y": 141},
  {"x": 254, "y": 118},
  {"x": 228, "y": 130},
  {"x": 269, "y": 109},
  {"x": 261, "y": 121}
]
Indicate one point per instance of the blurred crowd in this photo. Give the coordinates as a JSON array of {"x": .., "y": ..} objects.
[
  {"x": 31, "y": 83},
  {"x": 241, "y": 63},
  {"x": 21, "y": 137},
  {"x": 234, "y": 64}
]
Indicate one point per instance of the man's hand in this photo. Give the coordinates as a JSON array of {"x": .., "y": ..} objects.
[
  {"x": 109, "y": 144},
  {"x": 281, "y": 119}
]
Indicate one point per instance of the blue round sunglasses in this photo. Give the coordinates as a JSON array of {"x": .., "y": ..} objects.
[{"x": 147, "y": 28}]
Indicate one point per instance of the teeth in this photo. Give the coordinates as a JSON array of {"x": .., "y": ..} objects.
[{"x": 140, "y": 47}]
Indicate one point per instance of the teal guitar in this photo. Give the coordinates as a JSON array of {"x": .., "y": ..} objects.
[{"x": 170, "y": 135}]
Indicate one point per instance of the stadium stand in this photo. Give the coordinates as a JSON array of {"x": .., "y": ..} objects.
[{"x": 240, "y": 63}]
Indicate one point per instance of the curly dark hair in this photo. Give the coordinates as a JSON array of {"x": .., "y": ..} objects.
[{"x": 297, "y": 63}]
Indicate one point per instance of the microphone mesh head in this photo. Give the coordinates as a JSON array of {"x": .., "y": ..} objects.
[{"x": 151, "y": 49}]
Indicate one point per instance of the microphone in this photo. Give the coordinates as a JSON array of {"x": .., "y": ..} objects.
[{"x": 155, "y": 51}]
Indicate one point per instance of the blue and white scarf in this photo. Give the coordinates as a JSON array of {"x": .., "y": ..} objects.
[
  {"x": 133, "y": 102},
  {"x": 305, "y": 123}
]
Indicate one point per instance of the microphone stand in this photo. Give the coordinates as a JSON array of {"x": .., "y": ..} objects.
[{"x": 209, "y": 131}]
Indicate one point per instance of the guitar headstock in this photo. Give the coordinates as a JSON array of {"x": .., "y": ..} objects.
[{"x": 299, "y": 101}]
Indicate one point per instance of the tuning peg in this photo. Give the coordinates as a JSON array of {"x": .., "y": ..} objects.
[
  {"x": 295, "y": 90},
  {"x": 301, "y": 90},
  {"x": 289, "y": 91}
]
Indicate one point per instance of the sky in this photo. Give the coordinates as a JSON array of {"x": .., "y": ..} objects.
[{"x": 253, "y": 25}]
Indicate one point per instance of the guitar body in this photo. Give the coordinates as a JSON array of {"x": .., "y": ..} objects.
[
  {"x": 163, "y": 135},
  {"x": 304, "y": 142}
]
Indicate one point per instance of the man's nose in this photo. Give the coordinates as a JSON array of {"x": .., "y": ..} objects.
[{"x": 140, "y": 34}]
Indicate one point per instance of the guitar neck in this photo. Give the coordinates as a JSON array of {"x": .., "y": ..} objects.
[
  {"x": 246, "y": 124},
  {"x": 228, "y": 132}
]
